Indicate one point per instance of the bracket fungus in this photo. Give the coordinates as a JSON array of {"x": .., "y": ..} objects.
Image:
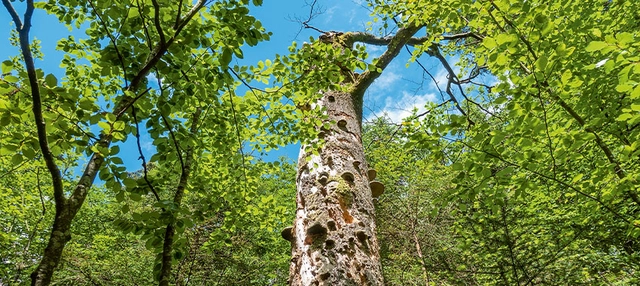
[
  {"x": 348, "y": 176},
  {"x": 372, "y": 174},
  {"x": 377, "y": 188},
  {"x": 287, "y": 233}
]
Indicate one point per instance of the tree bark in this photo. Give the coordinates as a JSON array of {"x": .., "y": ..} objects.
[{"x": 334, "y": 235}]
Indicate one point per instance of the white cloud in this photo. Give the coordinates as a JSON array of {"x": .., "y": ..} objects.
[
  {"x": 375, "y": 51},
  {"x": 381, "y": 86},
  {"x": 329, "y": 14},
  {"x": 397, "y": 109},
  {"x": 440, "y": 79},
  {"x": 148, "y": 146}
]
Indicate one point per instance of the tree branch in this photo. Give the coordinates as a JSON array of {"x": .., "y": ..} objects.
[
  {"x": 394, "y": 46},
  {"x": 156, "y": 21},
  {"x": 177, "y": 23},
  {"x": 113, "y": 41},
  {"x": 167, "y": 248},
  {"x": 14, "y": 14},
  {"x": 144, "y": 161},
  {"x": 371, "y": 39},
  {"x": 41, "y": 127}
]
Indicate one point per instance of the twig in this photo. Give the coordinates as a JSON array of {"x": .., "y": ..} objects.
[
  {"x": 235, "y": 119},
  {"x": 253, "y": 91},
  {"x": 113, "y": 42},
  {"x": 144, "y": 161}
]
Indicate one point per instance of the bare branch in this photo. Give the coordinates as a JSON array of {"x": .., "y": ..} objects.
[
  {"x": 144, "y": 160},
  {"x": 14, "y": 14},
  {"x": 313, "y": 13}
]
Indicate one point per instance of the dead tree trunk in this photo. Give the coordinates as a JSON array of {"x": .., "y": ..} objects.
[
  {"x": 334, "y": 235},
  {"x": 333, "y": 239}
]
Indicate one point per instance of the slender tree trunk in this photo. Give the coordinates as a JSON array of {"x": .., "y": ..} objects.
[
  {"x": 334, "y": 234},
  {"x": 60, "y": 235},
  {"x": 416, "y": 242},
  {"x": 170, "y": 231}
]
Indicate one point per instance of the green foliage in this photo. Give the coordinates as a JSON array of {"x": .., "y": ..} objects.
[
  {"x": 153, "y": 65},
  {"x": 25, "y": 213},
  {"x": 544, "y": 162},
  {"x": 530, "y": 177},
  {"x": 417, "y": 238}
]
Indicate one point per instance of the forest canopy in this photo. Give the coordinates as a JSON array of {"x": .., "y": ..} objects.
[{"x": 145, "y": 155}]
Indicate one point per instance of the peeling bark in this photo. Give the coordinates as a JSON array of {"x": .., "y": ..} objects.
[{"x": 333, "y": 237}]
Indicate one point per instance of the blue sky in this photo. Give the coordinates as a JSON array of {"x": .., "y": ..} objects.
[{"x": 394, "y": 94}]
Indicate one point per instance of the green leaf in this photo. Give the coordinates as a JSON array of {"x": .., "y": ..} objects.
[
  {"x": 129, "y": 183},
  {"x": 28, "y": 152},
  {"x": 625, "y": 37},
  {"x": 596, "y": 46},
  {"x": 118, "y": 125},
  {"x": 577, "y": 178},
  {"x": 120, "y": 196},
  {"x": 51, "y": 80},
  {"x": 11, "y": 79},
  {"x": 133, "y": 12},
  {"x": 106, "y": 127},
  {"x": 541, "y": 63},
  {"x": 110, "y": 117},
  {"x": 16, "y": 159},
  {"x": 7, "y": 66},
  {"x": 225, "y": 59},
  {"x": 489, "y": 43},
  {"x": 238, "y": 53}
]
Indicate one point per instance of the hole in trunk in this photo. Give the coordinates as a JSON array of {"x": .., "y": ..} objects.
[
  {"x": 332, "y": 225},
  {"x": 330, "y": 244}
]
